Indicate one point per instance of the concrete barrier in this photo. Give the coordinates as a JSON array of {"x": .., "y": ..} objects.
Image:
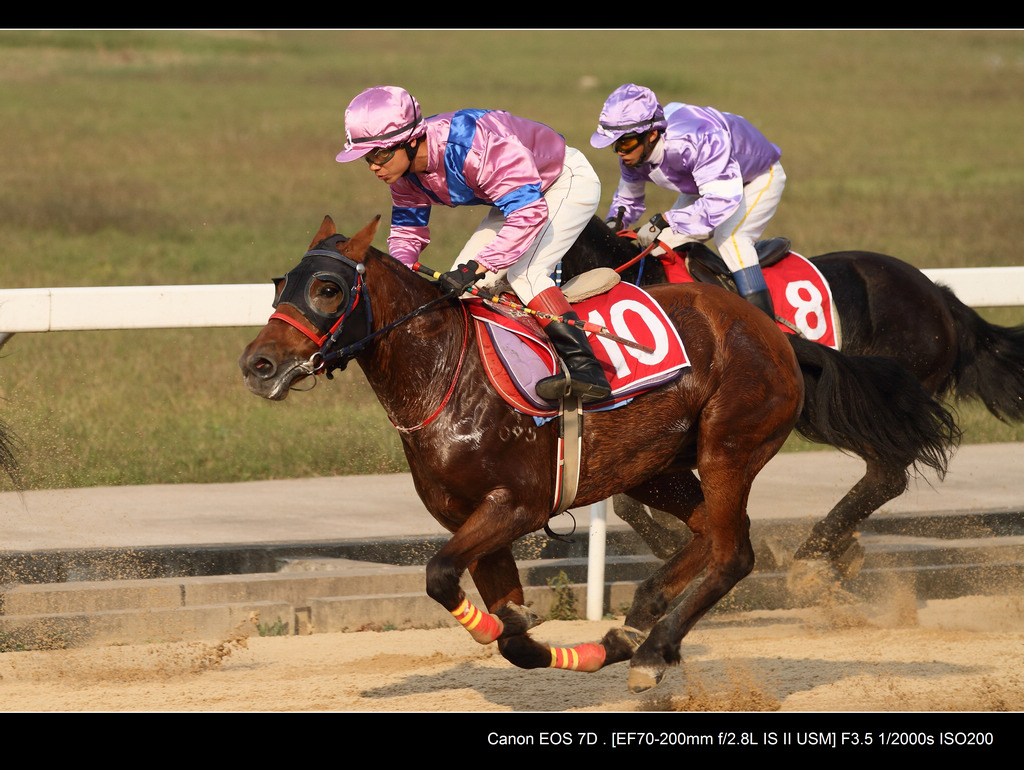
[{"x": 338, "y": 595}]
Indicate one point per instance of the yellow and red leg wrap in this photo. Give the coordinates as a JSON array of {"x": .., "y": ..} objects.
[
  {"x": 583, "y": 657},
  {"x": 482, "y": 626}
]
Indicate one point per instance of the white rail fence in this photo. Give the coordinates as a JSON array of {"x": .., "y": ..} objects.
[
  {"x": 219, "y": 305},
  {"x": 211, "y": 305}
]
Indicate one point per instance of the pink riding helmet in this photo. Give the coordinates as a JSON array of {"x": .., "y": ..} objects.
[
  {"x": 630, "y": 109},
  {"x": 381, "y": 116}
]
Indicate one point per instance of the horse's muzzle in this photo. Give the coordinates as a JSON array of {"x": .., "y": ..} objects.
[{"x": 269, "y": 376}]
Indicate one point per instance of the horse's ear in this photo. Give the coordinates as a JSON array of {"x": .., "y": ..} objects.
[
  {"x": 327, "y": 229},
  {"x": 359, "y": 244}
]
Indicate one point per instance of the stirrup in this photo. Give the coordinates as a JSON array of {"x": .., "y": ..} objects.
[{"x": 567, "y": 386}]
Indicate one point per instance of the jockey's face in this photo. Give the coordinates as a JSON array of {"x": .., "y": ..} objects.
[
  {"x": 633, "y": 149},
  {"x": 390, "y": 164}
]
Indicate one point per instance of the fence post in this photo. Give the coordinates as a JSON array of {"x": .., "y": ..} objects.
[{"x": 595, "y": 560}]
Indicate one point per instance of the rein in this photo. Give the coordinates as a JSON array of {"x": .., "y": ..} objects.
[
  {"x": 638, "y": 257},
  {"x": 349, "y": 352},
  {"x": 326, "y": 361},
  {"x": 497, "y": 299}
]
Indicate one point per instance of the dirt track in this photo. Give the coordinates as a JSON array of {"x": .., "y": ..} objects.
[{"x": 948, "y": 655}]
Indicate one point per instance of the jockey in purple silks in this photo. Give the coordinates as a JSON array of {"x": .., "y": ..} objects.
[
  {"x": 541, "y": 195},
  {"x": 727, "y": 174}
]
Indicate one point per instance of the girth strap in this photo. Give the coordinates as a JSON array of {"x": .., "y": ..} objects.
[{"x": 570, "y": 449}]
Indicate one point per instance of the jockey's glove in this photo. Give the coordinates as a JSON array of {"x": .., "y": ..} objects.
[
  {"x": 461, "y": 278},
  {"x": 649, "y": 233}
]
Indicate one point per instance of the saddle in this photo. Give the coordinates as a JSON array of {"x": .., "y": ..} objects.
[
  {"x": 707, "y": 267},
  {"x": 516, "y": 352}
]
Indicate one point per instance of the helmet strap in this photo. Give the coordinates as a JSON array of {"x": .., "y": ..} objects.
[
  {"x": 649, "y": 144},
  {"x": 410, "y": 153}
]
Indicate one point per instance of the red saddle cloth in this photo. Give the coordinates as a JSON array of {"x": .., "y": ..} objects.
[
  {"x": 517, "y": 354},
  {"x": 800, "y": 294}
]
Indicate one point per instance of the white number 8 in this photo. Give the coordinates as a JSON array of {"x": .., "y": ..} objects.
[{"x": 807, "y": 305}]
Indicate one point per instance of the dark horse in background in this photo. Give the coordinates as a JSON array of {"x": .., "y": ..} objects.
[
  {"x": 886, "y": 308},
  {"x": 487, "y": 472}
]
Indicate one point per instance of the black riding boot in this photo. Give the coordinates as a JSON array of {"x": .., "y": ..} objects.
[
  {"x": 587, "y": 378},
  {"x": 763, "y": 300}
]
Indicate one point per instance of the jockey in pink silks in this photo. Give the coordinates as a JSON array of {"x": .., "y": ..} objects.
[
  {"x": 541, "y": 195},
  {"x": 727, "y": 174}
]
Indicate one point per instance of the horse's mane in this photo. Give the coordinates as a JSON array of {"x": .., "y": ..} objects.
[{"x": 600, "y": 246}]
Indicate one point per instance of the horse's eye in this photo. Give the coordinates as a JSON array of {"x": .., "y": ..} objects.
[{"x": 326, "y": 296}]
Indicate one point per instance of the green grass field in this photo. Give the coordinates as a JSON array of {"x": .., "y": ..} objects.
[{"x": 208, "y": 157}]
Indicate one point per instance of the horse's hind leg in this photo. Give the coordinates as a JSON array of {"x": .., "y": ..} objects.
[
  {"x": 828, "y": 538},
  {"x": 721, "y": 549},
  {"x": 680, "y": 495},
  {"x": 663, "y": 540},
  {"x": 731, "y": 453},
  {"x": 831, "y": 538}
]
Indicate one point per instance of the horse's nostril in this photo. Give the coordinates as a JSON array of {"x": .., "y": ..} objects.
[{"x": 262, "y": 367}]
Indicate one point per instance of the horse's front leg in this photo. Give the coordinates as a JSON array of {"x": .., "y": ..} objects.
[
  {"x": 493, "y": 576},
  {"x": 483, "y": 539},
  {"x": 497, "y": 578},
  {"x": 505, "y": 619}
]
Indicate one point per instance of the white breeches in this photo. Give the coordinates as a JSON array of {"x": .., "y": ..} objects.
[
  {"x": 734, "y": 238},
  {"x": 572, "y": 201}
]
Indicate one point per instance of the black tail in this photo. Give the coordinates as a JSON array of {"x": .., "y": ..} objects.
[
  {"x": 873, "y": 407},
  {"x": 990, "y": 361}
]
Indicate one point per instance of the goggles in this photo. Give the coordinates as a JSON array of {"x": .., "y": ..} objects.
[
  {"x": 381, "y": 155},
  {"x": 626, "y": 144}
]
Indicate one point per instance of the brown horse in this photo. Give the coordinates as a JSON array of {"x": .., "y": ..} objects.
[
  {"x": 886, "y": 307},
  {"x": 488, "y": 472}
]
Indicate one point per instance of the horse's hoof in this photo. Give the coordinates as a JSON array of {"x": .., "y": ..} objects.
[
  {"x": 621, "y": 643},
  {"x": 517, "y": 619},
  {"x": 808, "y": 579},
  {"x": 817, "y": 584},
  {"x": 780, "y": 551},
  {"x": 850, "y": 562},
  {"x": 643, "y": 678},
  {"x": 634, "y": 636}
]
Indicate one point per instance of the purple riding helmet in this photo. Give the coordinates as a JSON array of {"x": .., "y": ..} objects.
[
  {"x": 381, "y": 116},
  {"x": 631, "y": 109}
]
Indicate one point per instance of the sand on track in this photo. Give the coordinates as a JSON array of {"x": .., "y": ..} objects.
[{"x": 964, "y": 654}]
